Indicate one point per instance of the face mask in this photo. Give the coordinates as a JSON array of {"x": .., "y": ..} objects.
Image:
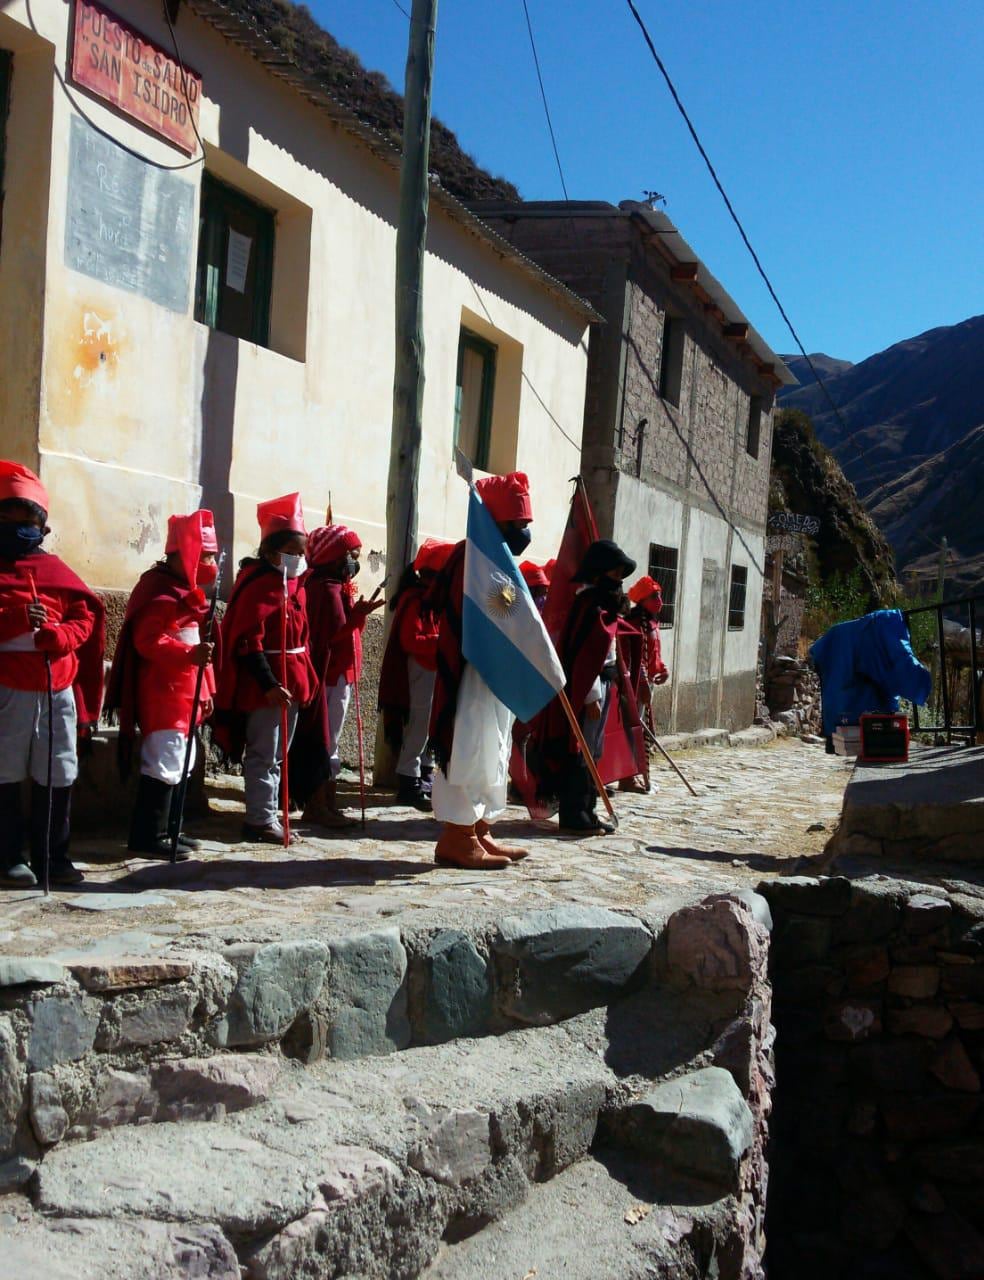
[
  {"x": 293, "y": 566},
  {"x": 206, "y": 575},
  {"x": 352, "y": 568},
  {"x": 18, "y": 540},
  {"x": 517, "y": 540}
]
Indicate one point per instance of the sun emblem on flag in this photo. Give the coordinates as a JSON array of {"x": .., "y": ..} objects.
[{"x": 501, "y": 595}]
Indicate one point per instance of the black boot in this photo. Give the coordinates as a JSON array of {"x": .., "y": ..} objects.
[
  {"x": 14, "y": 871},
  {"x": 578, "y": 798},
  {"x": 410, "y": 791},
  {"x": 61, "y": 870},
  {"x": 151, "y": 815}
]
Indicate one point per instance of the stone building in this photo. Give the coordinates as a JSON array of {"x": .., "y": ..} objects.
[
  {"x": 198, "y": 294},
  {"x": 677, "y": 435}
]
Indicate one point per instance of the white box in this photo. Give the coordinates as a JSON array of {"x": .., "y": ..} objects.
[{"x": 847, "y": 739}]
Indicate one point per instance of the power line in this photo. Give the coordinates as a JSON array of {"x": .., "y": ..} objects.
[
  {"x": 734, "y": 217},
  {"x": 543, "y": 96}
]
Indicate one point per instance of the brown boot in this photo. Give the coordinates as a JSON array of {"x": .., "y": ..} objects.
[
  {"x": 322, "y": 809},
  {"x": 484, "y": 833},
  {"x": 459, "y": 847}
]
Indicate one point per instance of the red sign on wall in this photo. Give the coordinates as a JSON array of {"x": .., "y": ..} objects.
[{"x": 115, "y": 62}]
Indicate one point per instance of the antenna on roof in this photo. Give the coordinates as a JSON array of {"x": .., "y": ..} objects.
[{"x": 654, "y": 198}]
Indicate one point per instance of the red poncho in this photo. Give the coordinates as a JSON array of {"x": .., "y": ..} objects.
[
  {"x": 445, "y": 601},
  {"x": 152, "y": 681},
  {"x": 414, "y": 633},
  {"x": 76, "y": 644},
  {"x": 252, "y": 624}
]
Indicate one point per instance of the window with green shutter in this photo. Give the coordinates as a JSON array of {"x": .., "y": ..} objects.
[
  {"x": 474, "y": 398},
  {"x": 235, "y": 263}
]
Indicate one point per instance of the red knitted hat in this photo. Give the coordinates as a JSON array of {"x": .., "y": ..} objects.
[
  {"x": 535, "y": 575},
  {"x": 643, "y": 589},
  {"x": 20, "y": 482},
  {"x": 507, "y": 497},
  {"x": 433, "y": 554},
  {"x": 330, "y": 542}
]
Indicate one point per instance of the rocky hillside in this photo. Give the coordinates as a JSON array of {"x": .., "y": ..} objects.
[
  {"x": 901, "y": 406},
  {"x": 293, "y": 29},
  {"x": 808, "y": 480},
  {"x": 826, "y": 366},
  {"x": 941, "y": 497}
]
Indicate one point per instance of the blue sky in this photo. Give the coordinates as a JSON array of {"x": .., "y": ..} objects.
[{"x": 848, "y": 136}]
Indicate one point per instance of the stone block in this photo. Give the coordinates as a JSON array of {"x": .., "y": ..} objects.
[
  {"x": 22, "y": 971},
  {"x": 953, "y": 1068},
  {"x": 49, "y": 1119},
  {"x": 698, "y": 1125},
  {"x": 930, "y": 1020},
  {"x": 368, "y": 995},
  {"x": 138, "y": 1249},
  {"x": 915, "y": 981},
  {"x": 560, "y": 962},
  {"x": 11, "y": 1086},
  {"x": 277, "y": 980},
  {"x": 874, "y": 913},
  {"x": 306, "y": 1039},
  {"x": 897, "y": 1066},
  {"x": 924, "y": 1117},
  {"x": 801, "y": 940},
  {"x": 454, "y": 1146},
  {"x": 865, "y": 967},
  {"x": 199, "y": 1088},
  {"x": 63, "y": 1029},
  {"x": 15, "y": 1173},
  {"x": 924, "y": 913},
  {"x": 717, "y": 945},
  {"x": 948, "y": 1245},
  {"x": 808, "y": 895},
  {"x": 967, "y": 1014},
  {"x": 457, "y": 988},
  {"x": 129, "y": 974},
  {"x": 964, "y": 980},
  {"x": 123, "y": 1097},
  {"x": 162, "y": 1017}
]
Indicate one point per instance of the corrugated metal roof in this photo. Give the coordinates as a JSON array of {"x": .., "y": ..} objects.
[{"x": 236, "y": 30}]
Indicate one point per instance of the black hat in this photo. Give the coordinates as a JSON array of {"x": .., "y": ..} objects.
[{"x": 600, "y": 557}]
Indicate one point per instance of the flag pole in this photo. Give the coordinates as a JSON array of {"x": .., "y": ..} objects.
[
  {"x": 586, "y": 752},
  {"x": 284, "y": 722}
]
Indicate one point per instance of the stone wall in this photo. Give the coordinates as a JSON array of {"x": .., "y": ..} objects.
[
  {"x": 792, "y": 695},
  {"x": 877, "y": 1157}
]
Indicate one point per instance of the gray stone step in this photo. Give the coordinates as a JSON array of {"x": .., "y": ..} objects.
[
  {"x": 605, "y": 1218},
  {"x": 363, "y": 1167}
]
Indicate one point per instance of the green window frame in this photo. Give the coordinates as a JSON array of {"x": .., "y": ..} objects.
[
  {"x": 486, "y": 352},
  {"x": 6, "y": 75},
  {"x": 219, "y": 303}
]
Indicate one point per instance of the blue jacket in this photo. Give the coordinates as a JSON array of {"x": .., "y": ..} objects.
[{"x": 867, "y": 665}]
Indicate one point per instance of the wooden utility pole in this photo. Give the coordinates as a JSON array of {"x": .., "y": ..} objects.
[
  {"x": 411, "y": 238},
  {"x": 408, "y": 374}
]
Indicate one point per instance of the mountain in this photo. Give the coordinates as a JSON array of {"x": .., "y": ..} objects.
[
  {"x": 900, "y": 407},
  {"x": 939, "y": 498},
  {"x": 807, "y": 479},
  {"x": 293, "y": 30},
  {"x": 827, "y": 366}
]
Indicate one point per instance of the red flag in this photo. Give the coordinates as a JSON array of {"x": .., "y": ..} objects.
[{"x": 579, "y": 534}]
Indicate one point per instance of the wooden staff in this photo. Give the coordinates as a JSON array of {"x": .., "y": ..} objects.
[
  {"x": 362, "y": 751},
  {"x": 284, "y": 724},
  {"x": 668, "y": 758},
  {"x": 46, "y": 855},
  {"x": 586, "y": 752}
]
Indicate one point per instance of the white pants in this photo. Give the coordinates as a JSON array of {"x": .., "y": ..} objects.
[
  {"x": 24, "y": 737},
  {"x": 478, "y": 771},
  {"x": 338, "y": 696},
  {"x": 162, "y": 755},
  {"x": 261, "y": 765},
  {"x": 418, "y": 725}
]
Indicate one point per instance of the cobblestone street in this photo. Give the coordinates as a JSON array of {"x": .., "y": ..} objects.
[{"x": 758, "y": 810}]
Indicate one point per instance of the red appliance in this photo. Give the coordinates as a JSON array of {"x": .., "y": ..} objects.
[{"x": 884, "y": 739}]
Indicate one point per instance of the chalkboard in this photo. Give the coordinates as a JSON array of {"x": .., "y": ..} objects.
[{"x": 129, "y": 223}]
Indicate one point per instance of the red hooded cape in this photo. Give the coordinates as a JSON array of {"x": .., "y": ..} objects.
[
  {"x": 256, "y": 601},
  {"x": 394, "y": 678},
  {"x": 51, "y": 574},
  {"x": 445, "y": 600},
  {"x": 156, "y": 586}
]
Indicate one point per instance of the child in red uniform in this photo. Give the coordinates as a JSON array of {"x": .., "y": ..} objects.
[
  {"x": 155, "y": 671},
  {"x": 537, "y": 579},
  {"x": 337, "y": 620},
  {"x": 51, "y": 639},
  {"x": 406, "y": 680},
  {"x": 646, "y": 596},
  {"x": 260, "y": 674}
]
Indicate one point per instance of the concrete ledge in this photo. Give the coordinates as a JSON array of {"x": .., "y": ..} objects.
[
  {"x": 929, "y": 808},
  {"x": 754, "y": 736}
]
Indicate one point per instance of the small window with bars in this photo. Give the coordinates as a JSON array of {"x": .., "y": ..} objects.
[
  {"x": 736, "y": 601},
  {"x": 663, "y": 565}
]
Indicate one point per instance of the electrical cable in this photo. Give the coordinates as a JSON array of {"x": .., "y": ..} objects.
[
  {"x": 184, "y": 77},
  {"x": 734, "y": 216},
  {"x": 543, "y": 95}
]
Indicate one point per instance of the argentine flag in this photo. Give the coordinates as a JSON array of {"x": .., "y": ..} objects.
[{"x": 503, "y": 635}]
